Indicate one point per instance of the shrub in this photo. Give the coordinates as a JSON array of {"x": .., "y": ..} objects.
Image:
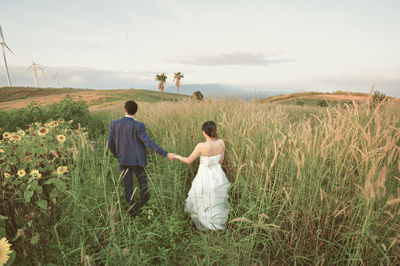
[
  {"x": 377, "y": 98},
  {"x": 35, "y": 166},
  {"x": 198, "y": 95},
  {"x": 322, "y": 103},
  {"x": 66, "y": 109},
  {"x": 300, "y": 102}
]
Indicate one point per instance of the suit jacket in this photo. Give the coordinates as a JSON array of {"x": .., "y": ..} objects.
[{"x": 127, "y": 141}]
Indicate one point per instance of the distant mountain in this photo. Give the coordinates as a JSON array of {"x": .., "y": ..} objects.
[
  {"x": 208, "y": 89},
  {"x": 221, "y": 90}
]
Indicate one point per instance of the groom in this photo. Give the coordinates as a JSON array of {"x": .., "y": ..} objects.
[{"x": 127, "y": 141}]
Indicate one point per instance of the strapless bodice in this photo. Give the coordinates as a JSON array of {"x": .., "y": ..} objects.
[{"x": 210, "y": 161}]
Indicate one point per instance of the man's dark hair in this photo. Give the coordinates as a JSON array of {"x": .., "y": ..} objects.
[{"x": 131, "y": 107}]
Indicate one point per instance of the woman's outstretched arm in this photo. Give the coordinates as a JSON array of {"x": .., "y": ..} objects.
[
  {"x": 191, "y": 158},
  {"x": 222, "y": 143}
]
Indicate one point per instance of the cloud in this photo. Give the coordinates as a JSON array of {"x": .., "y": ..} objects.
[
  {"x": 79, "y": 77},
  {"x": 232, "y": 58}
]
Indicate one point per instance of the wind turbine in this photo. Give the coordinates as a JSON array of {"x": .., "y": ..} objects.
[
  {"x": 33, "y": 68},
  {"x": 41, "y": 68},
  {"x": 56, "y": 77},
  {"x": 4, "y": 45}
]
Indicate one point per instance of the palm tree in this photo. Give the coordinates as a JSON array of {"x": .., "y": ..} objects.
[
  {"x": 162, "y": 78},
  {"x": 177, "y": 79}
]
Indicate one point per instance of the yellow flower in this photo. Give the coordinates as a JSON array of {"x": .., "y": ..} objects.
[
  {"x": 60, "y": 170},
  {"x": 71, "y": 121},
  {"x": 35, "y": 173},
  {"x": 4, "y": 250},
  {"x": 1, "y": 150},
  {"x": 61, "y": 138},
  {"x": 65, "y": 169},
  {"x": 6, "y": 135},
  {"x": 14, "y": 137},
  {"x": 37, "y": 124},
  {"x": 61, "y": 120},
  {"x": 53, "y": 124},
  {"x": 21, "y": 132},
  {"x": 43, "y": 131},
  {"x": 21, "y": 173},
  {"x": 6, "y": 175}
]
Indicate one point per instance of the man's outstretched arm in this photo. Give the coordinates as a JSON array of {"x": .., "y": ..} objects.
[{"x": 142, "y": 134}]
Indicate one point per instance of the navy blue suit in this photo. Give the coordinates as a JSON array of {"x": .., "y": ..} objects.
[{"x": 127, "y": 141}]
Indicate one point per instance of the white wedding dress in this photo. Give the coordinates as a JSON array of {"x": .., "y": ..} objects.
[{"x": 207, "y": 201}]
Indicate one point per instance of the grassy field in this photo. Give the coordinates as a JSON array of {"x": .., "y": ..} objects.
[
  {"x": 338, "y": 96},
  {"x": 19, "y": 97},
  {"x": 310, "y": 186}
]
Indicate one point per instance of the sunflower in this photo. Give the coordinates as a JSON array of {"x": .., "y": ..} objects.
[
  {"x": 53, "y": 124},
  {"x": 4, "y": 250},
  {"x": 71, "y": 121},
  {"x": 65, "y": 169},
  {"x": 61, "y": 120},
  {"x": 60, "y": 170},
  {"x": 43, "y": 131},
  {"x": 6, "y": 135},
  {"x": 35, "y": 173},
  {"x": 37, "y": 124},
  {"x": 21, "y": 132},
  {"x": 16, "y": 138},
  {"x": 21, "y": 173},
  {"x": 1, "y": 151},
  {"x": 61, "y": 138},
  {"x": 6, "y": 175}
]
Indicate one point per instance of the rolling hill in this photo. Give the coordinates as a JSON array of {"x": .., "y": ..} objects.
[{"x": 19, "y": 97}]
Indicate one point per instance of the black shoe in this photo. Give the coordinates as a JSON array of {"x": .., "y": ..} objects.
[{"x": 133, "y": 212}]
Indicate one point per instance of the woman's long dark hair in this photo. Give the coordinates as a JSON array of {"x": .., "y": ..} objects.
[{"x": 210, "y": 128}]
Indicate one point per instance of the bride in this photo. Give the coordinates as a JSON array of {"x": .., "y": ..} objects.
[{"x": 207, "y": 201}]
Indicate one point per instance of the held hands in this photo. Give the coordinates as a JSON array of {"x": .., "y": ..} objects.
[{"x": 171, "y": 156}]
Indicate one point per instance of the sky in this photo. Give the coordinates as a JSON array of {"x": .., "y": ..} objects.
[{"x": 269, "y": 45}]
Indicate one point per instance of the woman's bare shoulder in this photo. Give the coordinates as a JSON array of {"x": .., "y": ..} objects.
[
  {"x": 221, "y": 141},
  {"x": 200, "y": 145}
]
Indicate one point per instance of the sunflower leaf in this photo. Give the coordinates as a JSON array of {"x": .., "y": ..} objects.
[
  {"x": 42, "y": 204},
  {"x": 28, "y": 195}
]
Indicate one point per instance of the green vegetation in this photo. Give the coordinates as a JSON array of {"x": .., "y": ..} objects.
[
  {"x": 283, "y": 98},
  {"x": 140, "y": 96},
  {"x": 377, "y": 98},
  {"x": 67, "y": 109},
  {"x": 18, "y": 93},
  {"x": 310, "y": 186},
  {"x": 36, "y": 167},
  {"x": 198, "y": 95},
  {"x": 316, "y": 102},
  {"x": 92, "y": 97}
]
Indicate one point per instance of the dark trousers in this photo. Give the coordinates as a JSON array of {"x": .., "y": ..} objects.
[{"x": 140, "y": 173}]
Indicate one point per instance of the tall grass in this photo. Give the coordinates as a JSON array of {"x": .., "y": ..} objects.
[{"x": 309, "y": 186}]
